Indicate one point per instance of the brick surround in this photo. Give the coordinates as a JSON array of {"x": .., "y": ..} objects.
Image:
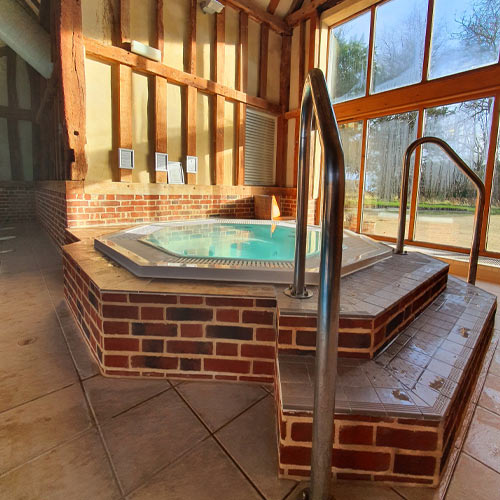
[
  {"x": 174, "y": 335},
  {"x": 17, "y": 201},
  {"x": 362, "y": 336}
]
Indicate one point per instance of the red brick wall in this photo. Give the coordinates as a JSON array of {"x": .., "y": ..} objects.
[
  {"x": 51, "y": 211},
  {"x": 17, "y": 202},
  {"x": 187, "y": 336}
]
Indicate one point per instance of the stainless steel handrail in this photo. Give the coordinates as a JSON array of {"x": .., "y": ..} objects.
[
  {"x": 480, "y": 201},
  {"x": 316, "y": 105}
]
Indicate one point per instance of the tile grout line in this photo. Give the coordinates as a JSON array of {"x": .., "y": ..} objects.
[
  {"x": 479, "y": 461},
  {"x": 212, "y": 434},
  {"x": 90, "y": 409}
]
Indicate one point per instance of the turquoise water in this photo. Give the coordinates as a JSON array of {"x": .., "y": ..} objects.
[{"x": 232, "y": 241}]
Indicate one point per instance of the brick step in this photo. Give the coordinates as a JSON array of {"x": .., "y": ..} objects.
[
  {"x": 396, "y": 415},
  {"x": 376, "y": 304}
]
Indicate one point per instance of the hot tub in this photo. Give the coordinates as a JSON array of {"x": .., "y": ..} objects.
[{"x": 229, "y": 250}]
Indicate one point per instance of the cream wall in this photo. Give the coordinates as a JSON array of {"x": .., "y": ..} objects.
[{"x": 98, "y": 19}]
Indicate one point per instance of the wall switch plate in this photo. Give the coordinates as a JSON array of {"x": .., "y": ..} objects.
[
  {"x": 192, "y": 164},
  {"x": 161, "y": 162},
  {"x": 126, "y": 158}
]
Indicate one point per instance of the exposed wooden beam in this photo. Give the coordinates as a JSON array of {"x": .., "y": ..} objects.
[
  {"x": 273, "y": 5},
  {"x": 122, "y": 115},
  {"x": 302, "y": 58},
  {"x": 309, "y": 9},
  {"x": 242, "y": 75},
  {"x": 16, "y": 114},
  {"x": 264, "y": 56},
  {"x": 160, "y": 29},
  {"x": 109, "y": 53},
  {"x": 282, "y": 142},
  {"x": 16, "y": 166},
  {"x": 259, "y": 14},
  {"x": 220, "y": 101},
  {"x": 4, "y": 51},
  {"x": 160, "y": 122},
  {"x": 218, "y": 127},
  {"x": 35, "y": 79},
  {"x": 70, "y": 64},
  {"x": 50, "y": 91},
  {"x": 125, "y": 21},
  {"x": 191, "y": 46}
]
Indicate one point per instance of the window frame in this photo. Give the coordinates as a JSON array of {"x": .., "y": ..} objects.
[{"x": 472, "y": 84}]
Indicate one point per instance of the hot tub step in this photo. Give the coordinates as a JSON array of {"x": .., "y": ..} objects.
[{"x": 397, "y": 415}]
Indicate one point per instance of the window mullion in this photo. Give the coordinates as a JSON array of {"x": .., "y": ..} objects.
[
  {"x": 416, "y": 175},
  {"x": 428, "y": 41},
  {"x": 362, "y": 177},
  {"x": 490, "y": 168},
  {"x": 371, "y": 45}
]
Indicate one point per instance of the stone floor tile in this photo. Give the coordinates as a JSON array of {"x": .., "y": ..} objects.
[
  {"x": 85, "y": 363},
  {"x": 111, "y": 396},
  {"x": 417, "y": 492},
  {"x": 349, "y": 490},
  {"x": 78, "y": 470},
  {"x": 37, "y": 426},
  {"x": 473, "y": 480},
  {"x": 495, "y": 363},
  {"x": 205, "y": 473},
  {"x": 23, "y": 380},
  {"x": 218, "y": 402},
  {"x": 490, "y": 396},
  {"x": 251, "y": 441},
  {"x": 150, "y": 436},
  {"x": 483, "y": 439}
]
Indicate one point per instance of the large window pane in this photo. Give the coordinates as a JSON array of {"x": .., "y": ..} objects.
[
  {"x": 465, "y": 35},
  {"x": 388, "y": 138},
  {"x": 348, "y": 59},
  {"x": 446, "y": 197},
  {"x": 351, "y": 135},
  {"x": 399, "y": 44},
  {"x": 493, "y": 241}
]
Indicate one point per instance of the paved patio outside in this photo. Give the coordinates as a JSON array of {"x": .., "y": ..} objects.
[{"x": 68, "y": 433}]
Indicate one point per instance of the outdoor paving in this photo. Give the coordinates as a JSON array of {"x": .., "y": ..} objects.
[{"x": 68, "y": 433}]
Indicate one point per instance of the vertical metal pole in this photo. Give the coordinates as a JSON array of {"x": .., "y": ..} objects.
[{"x": 403, "y": 201}]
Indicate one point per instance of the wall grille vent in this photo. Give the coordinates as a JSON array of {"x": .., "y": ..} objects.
[{"x": 260, "y": 149}]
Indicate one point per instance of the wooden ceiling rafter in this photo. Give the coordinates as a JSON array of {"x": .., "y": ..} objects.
[
  {"x": 260, "y": 15},
  {"x": 309, "y": 10}
]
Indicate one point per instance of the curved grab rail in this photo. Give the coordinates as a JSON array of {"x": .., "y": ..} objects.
[
  {"x": 480, "y": 201},
  {"x": 316, "y": 105}
]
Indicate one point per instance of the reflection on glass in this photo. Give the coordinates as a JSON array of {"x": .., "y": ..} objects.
[
  {"x": 348, "y": 59},
  {"x": 446, "y": 196},
  {"x": 388, "y": 138},
  {"x": 465, "y": 35},
  {"x": 351, "y": 135},
  {"x": 399, "y": 44},
  {"x": 493, "y": 235}
]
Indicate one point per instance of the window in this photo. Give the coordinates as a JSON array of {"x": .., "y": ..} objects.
[
  {"x": 465, "y": 35},
  {"x": 399, "y": 44},
  {"x": 351, "y": 135},
  {"x": 260, "y": 140},
  {"x": 388, "y": 138},
  {"x": 429, "y": 67},
  {"x": 349, "y": 59},
  {"x": 447, "y": 198}
]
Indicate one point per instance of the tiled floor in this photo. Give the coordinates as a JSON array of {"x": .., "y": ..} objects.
[{"x": 68, "y": 433}]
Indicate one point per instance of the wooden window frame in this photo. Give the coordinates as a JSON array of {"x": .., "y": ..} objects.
[{"x": 478, "y": 83}]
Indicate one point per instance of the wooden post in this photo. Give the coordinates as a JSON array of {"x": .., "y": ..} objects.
[
  {"x": 69, "y": 60},
  {"x": 125, "y": 22},
  {"x": 122, "y": 97},
  {"x": 282, "y": 142},
  {"x": 160, "y": 122},
  {"x": 219, "y": 101},
  {"x": 241, "y": 108},
  {"x": 16, "y": 166}
]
